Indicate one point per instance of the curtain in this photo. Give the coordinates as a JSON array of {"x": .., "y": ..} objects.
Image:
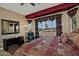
[
  {"x": 43, "y": 25},
  {"x": 72, "y": 15},
  {"x": 39, "y": 25},
  {"x": 58, "y": 24},
  {"x": 54, "y": 23},
  {"x": 29, "y": 24},
  {"x": 50, "y": 22}
]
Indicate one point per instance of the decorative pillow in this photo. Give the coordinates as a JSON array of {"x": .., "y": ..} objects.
[
  {"x": 65, "y": 38},
  {"x": 60, "y": 38},
  {"x": 77, "y": 40},
  {"x": 77, "y": 30},
  {"x": 73, "y": 34}
]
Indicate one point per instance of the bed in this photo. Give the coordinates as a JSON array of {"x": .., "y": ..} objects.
[
  {"x": 40, "y": 46},
  {"x": 48, "y": 46}
]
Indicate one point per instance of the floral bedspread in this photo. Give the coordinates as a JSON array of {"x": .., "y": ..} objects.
[{"x": 46, "y": 46}]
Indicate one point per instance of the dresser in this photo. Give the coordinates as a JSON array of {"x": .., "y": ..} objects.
[{"x": 10, "y": 41}]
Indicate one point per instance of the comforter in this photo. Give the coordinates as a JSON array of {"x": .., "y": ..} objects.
[{"x": 46, "y": 46}]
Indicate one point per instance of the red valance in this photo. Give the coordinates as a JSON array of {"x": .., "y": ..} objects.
[{"x": 55, "y": 9}]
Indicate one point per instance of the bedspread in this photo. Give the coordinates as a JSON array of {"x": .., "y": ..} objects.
[
  {"x": 40, "y": 46},
  {"x": 46, "y": 46}
]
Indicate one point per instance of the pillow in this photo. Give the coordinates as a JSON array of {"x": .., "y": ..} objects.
[
  {"x": 77, "y": 30},
  {"x": 65, "y": 38},
  {"x": 76, "y": 40},
  {"x": 60, "y": 38},
  {"x": 73, "y": 34}
]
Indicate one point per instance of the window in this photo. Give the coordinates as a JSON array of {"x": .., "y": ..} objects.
[
  {"x": 43, "y": 25},
  {"x": 54, "y": 23},
  {"x": 51, "y": 23},
  {"x": 48, "y": 24},
  {"x": 39, "y": 25}
]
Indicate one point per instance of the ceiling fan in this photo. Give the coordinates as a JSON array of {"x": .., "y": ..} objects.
[{"x": 33, "y": 4}]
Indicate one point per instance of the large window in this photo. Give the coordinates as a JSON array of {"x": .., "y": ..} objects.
[
  {"x": 51, "y": 23},
  {"x": 47, "y": 24},
  {"x": 39, "y": 25}
]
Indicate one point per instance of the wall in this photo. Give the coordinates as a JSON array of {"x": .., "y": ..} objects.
[
  {"x": 9, "y": 15},
  {"x": 66, "y": 22}
]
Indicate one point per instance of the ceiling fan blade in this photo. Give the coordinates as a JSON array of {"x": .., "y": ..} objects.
[
  {"x": 22, "y": 4},
  {"x": 33, "y": 4}
]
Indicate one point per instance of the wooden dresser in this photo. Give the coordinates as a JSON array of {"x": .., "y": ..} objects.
[{"x": 10, "y": 41}]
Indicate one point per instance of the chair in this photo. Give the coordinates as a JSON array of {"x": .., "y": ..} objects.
[{"x": 30, "y": 36}]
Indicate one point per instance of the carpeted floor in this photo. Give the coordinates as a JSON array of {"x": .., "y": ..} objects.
[{"x": 12, "y": 49}]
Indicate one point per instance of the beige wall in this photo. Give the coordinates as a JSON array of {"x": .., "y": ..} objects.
[
  {"x": 9, "y": 15},
  {"x": 66, "y": 22}
]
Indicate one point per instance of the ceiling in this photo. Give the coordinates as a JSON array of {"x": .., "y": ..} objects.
[{"x": 27, "y": 8}]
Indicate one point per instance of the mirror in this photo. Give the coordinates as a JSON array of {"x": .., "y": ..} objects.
[{"x": 9, "y": 27}]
